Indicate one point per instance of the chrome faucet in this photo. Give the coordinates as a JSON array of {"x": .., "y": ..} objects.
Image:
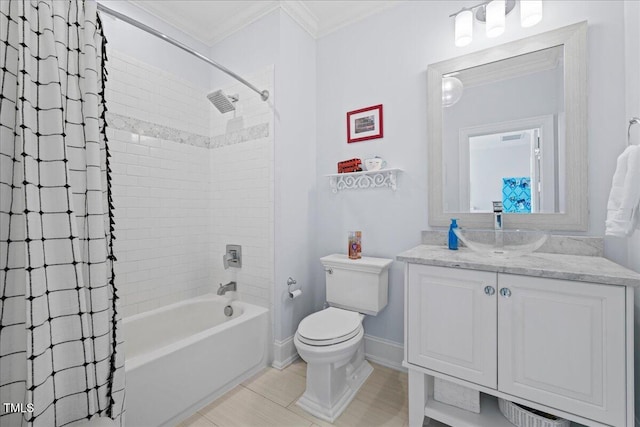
[
  {"x": 497, "y": 223},
  {"x": 497, "y": 215},
  {"x": 223, "y": 289}
]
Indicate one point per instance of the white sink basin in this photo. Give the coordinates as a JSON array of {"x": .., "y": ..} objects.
[{"x": 504, "y": 243}]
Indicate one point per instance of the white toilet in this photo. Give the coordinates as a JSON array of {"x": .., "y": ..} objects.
[{"x": 331, "y": 341}]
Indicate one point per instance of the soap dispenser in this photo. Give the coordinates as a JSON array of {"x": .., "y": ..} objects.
[{"x": 453, "y": 239}]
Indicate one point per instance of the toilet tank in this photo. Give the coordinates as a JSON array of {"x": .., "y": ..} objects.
[{"x": 360, "y": 285}]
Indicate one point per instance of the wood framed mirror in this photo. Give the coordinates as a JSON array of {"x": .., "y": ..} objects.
[{"x": 509, "y": 123}]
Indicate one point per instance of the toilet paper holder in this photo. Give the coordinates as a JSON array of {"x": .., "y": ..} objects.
[{"x": 292, "y": 293}]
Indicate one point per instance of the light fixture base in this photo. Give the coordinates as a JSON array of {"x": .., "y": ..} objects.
[{"x": 481, "y": 12}]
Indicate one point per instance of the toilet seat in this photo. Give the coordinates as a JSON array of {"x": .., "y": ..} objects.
[{"x": 329, "y": 327}]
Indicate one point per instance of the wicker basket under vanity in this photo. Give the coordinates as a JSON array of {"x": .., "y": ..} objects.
[
  {"x": 520, "y": 417},
  {"x": 456, "y": 395}
]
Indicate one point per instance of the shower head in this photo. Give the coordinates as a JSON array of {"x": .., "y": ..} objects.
[{"x": 224, "y": 103}]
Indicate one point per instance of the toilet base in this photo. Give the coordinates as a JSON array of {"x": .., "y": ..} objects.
[{"x": 346, "y": 379}]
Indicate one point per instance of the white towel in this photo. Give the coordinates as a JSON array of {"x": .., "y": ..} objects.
[{"x": 624, "y": 199}]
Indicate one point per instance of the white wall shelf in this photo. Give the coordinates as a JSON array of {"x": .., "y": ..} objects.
[{"x": 365, "y": 179}]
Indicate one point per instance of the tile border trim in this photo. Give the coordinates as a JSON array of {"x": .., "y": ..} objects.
[{"x": 146, "y": 128}]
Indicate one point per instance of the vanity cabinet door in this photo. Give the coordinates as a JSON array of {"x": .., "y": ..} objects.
[
  {"x": 562, "y": 344},
  {"x": 451, "y": 324}
]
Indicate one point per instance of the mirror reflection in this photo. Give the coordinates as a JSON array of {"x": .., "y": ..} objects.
[{"x": 503, "y": 135}]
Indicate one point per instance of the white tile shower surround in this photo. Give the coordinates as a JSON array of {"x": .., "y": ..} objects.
[
  {"x": 138, "y": 90},
  {"x": 177, "y": 206},
  {"x": 241, "y": 213},
  {"x": 250, "y": 106},
  {"x": 242, "y": 189},
  {"x": 161, "y": 191},
  {"x": 178, "y": 203}
]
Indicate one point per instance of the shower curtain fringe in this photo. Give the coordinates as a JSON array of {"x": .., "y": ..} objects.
[{"x": 110, "y": 237}]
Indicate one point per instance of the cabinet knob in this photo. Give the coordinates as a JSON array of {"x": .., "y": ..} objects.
[
  {"x": 489, "y": 290},
  {"x": 505, "y": 292}
]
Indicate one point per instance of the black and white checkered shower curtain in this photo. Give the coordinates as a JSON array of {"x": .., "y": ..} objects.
[{"x": 60, "y": 358}]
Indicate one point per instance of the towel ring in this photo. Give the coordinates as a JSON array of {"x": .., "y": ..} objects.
[{"x": 633, "y": 121}]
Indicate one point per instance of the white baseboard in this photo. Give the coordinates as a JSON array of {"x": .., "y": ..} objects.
[
  {"x": 284, "y": 353},
  {"x": 377, "y": 350},
  {"x": 384, "y": 352}
]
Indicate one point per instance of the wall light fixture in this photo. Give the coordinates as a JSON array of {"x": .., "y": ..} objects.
[
  {"x": 493, "y": 14},
  {"x": 530, "y": 12},
  {"x": 464, "y": 27}
]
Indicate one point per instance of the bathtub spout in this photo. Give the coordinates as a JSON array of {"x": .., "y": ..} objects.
[{"x": 223, "y": 289}]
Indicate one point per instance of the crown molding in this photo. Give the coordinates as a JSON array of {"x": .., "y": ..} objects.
[
  {"x": 301, "y": 14},
  {"x": 237, "y": 22},
  {"x": 338, "y": 21}
]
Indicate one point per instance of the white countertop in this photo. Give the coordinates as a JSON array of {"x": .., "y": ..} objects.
[{"x": 580, "y": 268}]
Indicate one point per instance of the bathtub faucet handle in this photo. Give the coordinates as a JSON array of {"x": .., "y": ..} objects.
[{"x": 232, "y": 256}]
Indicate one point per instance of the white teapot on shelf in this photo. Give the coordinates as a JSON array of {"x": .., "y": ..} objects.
[{"x": 375, "y": 164}]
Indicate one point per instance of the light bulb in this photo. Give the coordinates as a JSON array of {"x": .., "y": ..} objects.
[
  {"x": 495, "y": 18},
  {"x": 530, "y": 12},
  {"x": 464, "y": 28},
  {"x": 451, "y": 91}
]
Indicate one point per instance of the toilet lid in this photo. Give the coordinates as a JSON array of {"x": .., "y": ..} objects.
[{"x": 330, "y": 326}]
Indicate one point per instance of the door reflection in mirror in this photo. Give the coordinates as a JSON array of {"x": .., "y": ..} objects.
[
  {"x": 509, "y": 123},
  {"x": 504, "y": 166}
]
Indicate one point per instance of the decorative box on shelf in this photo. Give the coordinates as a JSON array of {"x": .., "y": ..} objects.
[{"x": 365, "y": 179}]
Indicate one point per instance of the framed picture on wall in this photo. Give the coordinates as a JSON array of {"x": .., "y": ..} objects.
[{"x": 364, "y": 124}]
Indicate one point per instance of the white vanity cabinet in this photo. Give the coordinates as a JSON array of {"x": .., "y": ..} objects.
[
  {"x": 562, "y": 344},
  {"x": 452, "y": 325},
  {"x": 557, "y": 345}
]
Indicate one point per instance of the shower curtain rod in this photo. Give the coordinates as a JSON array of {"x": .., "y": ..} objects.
[{"x": 264, "y": 94}]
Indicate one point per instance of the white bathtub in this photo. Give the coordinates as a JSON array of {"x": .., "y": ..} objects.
[{"x": 183, "y": 356}]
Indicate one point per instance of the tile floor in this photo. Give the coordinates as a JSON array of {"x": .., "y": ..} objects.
[{"x": 269, "y": 399}]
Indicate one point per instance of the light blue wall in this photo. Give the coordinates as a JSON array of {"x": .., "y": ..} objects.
[
  {"x": 295, "y": 176},
  {"x": 247, "y": 51},
  {"x": 383, "y": 60}
]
